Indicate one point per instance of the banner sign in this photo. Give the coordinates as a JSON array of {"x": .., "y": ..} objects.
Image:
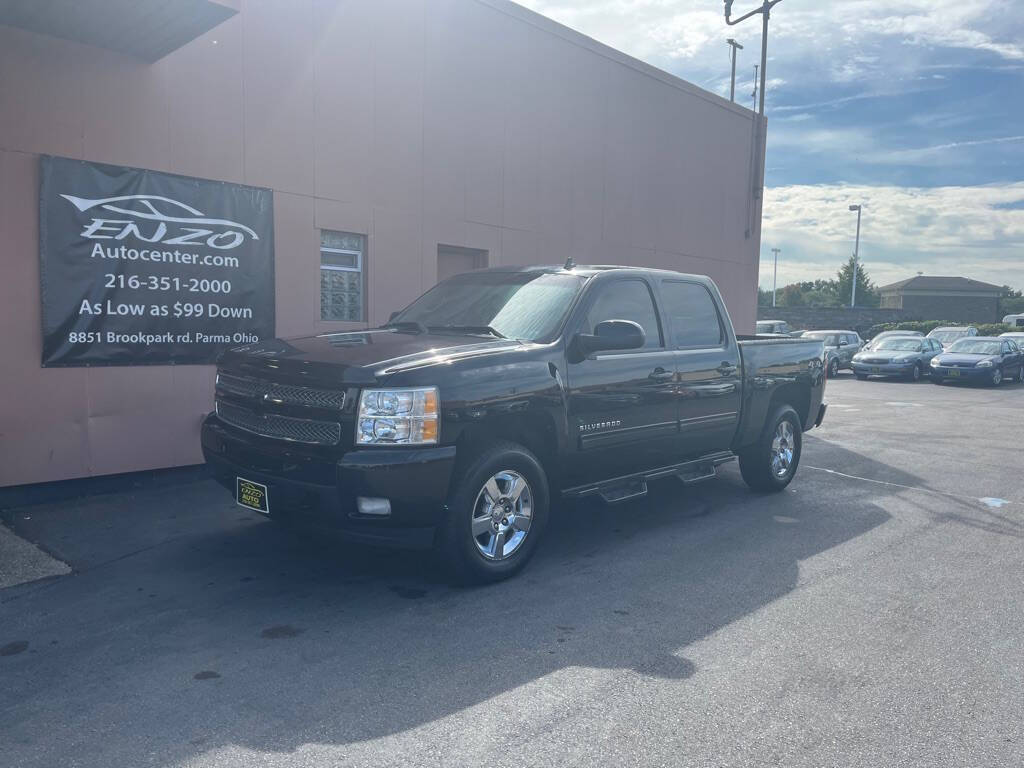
[{"x": 139, "y": 267}]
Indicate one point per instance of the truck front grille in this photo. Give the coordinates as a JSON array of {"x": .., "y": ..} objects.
[
  {"x": 274, "y": 392},
  {"x": 280, "y": 427}
]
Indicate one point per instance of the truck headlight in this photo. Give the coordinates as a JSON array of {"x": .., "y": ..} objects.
[
  {"x": 397, "y": 417},
  {"x": 985, "y": 364}
]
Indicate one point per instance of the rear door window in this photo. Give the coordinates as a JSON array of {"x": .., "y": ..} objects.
[{"x": 692, "y": 315}]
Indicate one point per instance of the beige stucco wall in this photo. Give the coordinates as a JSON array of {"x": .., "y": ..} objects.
[{"x": 415, "y": 122}]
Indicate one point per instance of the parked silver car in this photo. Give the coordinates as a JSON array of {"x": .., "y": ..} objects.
[
  {"x": 950, "y": 333},
  {"x": 840, "y": 347},
  {"x": 904, "y": 356},
  {"x": 874, "y": 341}
]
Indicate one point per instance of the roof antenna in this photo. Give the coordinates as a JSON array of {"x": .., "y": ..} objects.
[{"x": 569, "y": 263}]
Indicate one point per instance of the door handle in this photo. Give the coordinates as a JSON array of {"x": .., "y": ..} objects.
[
  {"x": 727, "y": 369},
  {"x": 660, "y": 374}
]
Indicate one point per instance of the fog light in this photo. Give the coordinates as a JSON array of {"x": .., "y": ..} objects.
[{"x": 373, "y": 507}]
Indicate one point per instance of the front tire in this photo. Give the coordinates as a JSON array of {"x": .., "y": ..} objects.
[
  {"x": 833, "y": 368},
  {"x": 497, "y": 512},
  {"x": 769, "y": 465},
  {"x": 997, "y": 377},
  {"x": 916, "y": 373}
]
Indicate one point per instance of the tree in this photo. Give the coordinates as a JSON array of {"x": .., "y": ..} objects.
[
  {"x": 791, "y": 296},
  {"x": 867, "y": 293},
  {"x": 764, "y": 297}
]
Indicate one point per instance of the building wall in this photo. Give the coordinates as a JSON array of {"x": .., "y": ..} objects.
[
  {"x": 470, "y": 123},
  {"x": 858, "y": 319},
  {"x": 960, "y": 309}
]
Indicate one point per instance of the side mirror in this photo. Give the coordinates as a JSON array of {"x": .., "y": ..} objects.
[
  {"x": 394, "y": 314},
  {"x": 610, "y": 335}
]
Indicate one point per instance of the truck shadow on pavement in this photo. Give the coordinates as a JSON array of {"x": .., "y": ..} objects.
[{"x": 232, "y": 632}]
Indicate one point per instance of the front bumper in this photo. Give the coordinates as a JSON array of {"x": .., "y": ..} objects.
[
  {"x": 961, "y": 374},
  {"x": 883, "y": 369},
  {"x": 320, "y": 490}
]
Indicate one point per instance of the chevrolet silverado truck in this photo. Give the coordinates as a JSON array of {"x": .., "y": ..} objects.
[{"x": 459, "y": 423}]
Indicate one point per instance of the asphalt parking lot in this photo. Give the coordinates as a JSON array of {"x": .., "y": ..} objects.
[{"x": 869, "y": 616}]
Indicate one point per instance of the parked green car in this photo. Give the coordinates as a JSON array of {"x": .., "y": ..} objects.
[{"x": 840, "y": 347}]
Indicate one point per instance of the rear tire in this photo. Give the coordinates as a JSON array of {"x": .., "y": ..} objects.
[
  {"x": 833, "y": 368},
  {"x": 770, "y": 464},
  {"x": 500, "y": 494}
]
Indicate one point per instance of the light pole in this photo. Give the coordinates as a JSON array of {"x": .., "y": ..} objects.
[
  {"x": 732, "y": 82},
  {"x": 775, "y": 274},
  {"x": 856, "y": 256}
]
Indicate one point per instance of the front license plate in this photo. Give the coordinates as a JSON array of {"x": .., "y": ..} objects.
[
  {"x": 876, "y": 369},
  {"x": 954, "y": 373},
  {"x": 251, "y": 495}
]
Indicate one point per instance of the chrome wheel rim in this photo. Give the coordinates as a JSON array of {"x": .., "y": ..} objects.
[
  {"x": 917, "y": 373},
  {"x": 783, "y": 448},
  {"x": 997, "y": 376},
  {"x": 502, "y": 515}
]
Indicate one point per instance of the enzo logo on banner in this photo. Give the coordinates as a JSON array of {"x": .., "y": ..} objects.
[
  {"x": 227, "y": 234},
  {"x": 141, "y": 267}
]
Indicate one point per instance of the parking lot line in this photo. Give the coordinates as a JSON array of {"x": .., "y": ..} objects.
[{"x": 986, "y": 500}]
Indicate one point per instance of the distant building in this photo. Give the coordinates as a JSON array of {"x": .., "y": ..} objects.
[{"x": 944, "y": 298}]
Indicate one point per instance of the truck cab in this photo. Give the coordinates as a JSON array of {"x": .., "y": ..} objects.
[{"x": 458, "y": 424}]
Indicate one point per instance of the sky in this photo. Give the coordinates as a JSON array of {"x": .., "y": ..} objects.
[{"x": 913, "y": 108}]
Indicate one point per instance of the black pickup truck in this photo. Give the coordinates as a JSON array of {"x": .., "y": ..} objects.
[{"x": 456, "y": 424}]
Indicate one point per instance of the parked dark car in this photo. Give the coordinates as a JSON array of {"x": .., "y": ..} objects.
[
  {"x": 456, "y": 424},
  {"x": 904, "y": 356},
  {"x": 982, "y": 359},
  {"x": 874, "y": 341},
  {"x": 840, "y": 347}
]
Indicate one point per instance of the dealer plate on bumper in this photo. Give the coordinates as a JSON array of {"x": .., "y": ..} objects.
[{"x": 251, "y": 495}]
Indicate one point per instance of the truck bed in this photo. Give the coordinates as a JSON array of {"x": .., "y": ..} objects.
[{"x": 779, "y": 369}]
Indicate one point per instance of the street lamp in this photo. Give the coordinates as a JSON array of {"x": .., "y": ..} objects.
[
  {"x": 856, "y": 256},
  {"x": 775, "y": 274}
]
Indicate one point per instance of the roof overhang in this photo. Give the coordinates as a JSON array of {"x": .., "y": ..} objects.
[{"x": 146, "y": 29}]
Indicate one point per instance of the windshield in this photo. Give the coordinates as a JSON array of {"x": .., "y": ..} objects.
[
  {"x": 905, "y": 345},
  {"x": 518, "y": 305},
  {"x": 945, "y": 336},
  {"x": 976, "y": 347}
]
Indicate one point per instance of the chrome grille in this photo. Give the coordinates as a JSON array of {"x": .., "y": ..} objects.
[
  {"x": 280, "y": 427},
  {"x": 287, "y": 394}
]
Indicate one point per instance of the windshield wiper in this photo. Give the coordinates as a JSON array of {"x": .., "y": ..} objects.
[
  {"x": 406, "y": 325},
  {"x": 476, "y": 329}
]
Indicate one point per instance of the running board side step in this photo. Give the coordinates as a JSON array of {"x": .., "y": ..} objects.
[
  {"x": 634, "y": 486},
  {"x": 616, "y": 493}
]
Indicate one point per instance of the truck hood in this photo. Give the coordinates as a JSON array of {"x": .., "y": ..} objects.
[{"x": 358, "y": 357}]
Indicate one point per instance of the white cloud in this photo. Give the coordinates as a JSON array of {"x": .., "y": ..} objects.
[
  {"x": 970, "y": 231},
  {"x": 844, "y": 30}
]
